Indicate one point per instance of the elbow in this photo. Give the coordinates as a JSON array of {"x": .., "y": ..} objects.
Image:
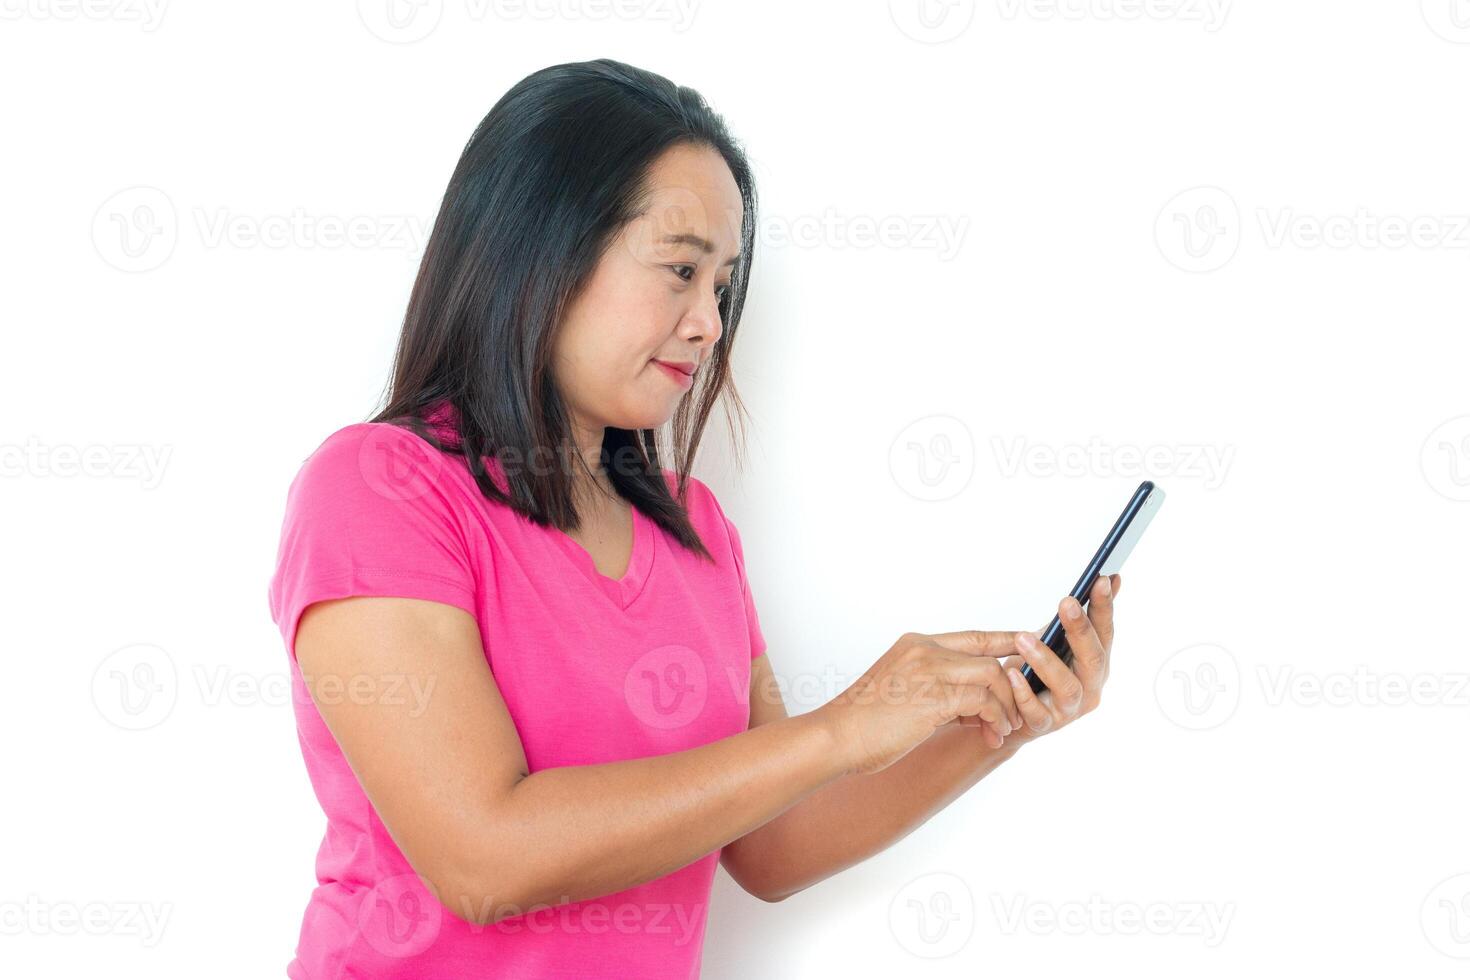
[
  {"x": 479, "y": 890},
  {"x": 479, "y": 903},
  {"x": 774, "y": 895},
  {"x": 493, "y": 898},
  {"x": 488, "y": 882},
  {"x": 504, "y": 885},
  {"x": 757, "y": 885},
  {"x": 769, "y": 895},
  {"x": 464, "y": 897}
]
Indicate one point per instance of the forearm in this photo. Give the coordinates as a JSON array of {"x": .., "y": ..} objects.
[
  {"x": 854, "y": 817},
  {"x": 577, "y": 832}
]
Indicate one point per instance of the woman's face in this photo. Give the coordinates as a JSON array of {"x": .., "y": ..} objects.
[{"x": 653, "y": 297}]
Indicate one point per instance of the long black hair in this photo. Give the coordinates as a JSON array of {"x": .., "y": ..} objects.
[{"x": 542, "y": 188}]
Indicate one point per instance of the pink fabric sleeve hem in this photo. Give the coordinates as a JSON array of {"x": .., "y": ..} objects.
[{"x": 374, "y": 582}]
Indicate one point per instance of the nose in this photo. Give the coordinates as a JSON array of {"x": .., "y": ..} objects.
[{"x": 702, "y": 323}]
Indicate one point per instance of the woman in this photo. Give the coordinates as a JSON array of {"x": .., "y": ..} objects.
[{"x": 531, "y": 688}]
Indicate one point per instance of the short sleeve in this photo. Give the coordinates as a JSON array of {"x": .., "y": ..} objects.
[
  {"x": 757, "y": 640},
  {"x": 368, "y": 515}
]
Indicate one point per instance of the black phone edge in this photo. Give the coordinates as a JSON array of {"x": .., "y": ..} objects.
[{"x": 1055, "y": 636}]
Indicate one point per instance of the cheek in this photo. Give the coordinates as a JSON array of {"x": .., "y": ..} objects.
[
  {"x": 645, "y": 318},
  {"x": 639, "y": 301},
  {"x": 610, "y": 364},
  {"x": 640, "y": 333},
  {"x": 623, "y": 320}
]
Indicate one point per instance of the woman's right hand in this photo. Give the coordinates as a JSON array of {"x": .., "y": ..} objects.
[{"x": 922, "y": 682}]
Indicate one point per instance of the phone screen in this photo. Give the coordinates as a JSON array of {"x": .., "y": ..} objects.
[{"x": 1116, "y": 547}]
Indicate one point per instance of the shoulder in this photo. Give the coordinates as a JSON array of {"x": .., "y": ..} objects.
[
  {"x": 708, "y": 517},
  {"x": 700, "y": 500},
  {"x": 362, "y": 439},
  {"x": 374, "y": 462}
]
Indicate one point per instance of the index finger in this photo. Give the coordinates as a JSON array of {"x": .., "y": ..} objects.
[{"x": 979, "y": 643}]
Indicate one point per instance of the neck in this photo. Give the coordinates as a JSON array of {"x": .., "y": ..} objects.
[{"x": 590, "y": 481}]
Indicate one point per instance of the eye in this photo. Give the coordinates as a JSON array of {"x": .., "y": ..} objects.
[{"x": 722, "y": 290}]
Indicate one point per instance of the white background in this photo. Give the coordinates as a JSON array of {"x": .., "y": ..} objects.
[{"x": 1223, "y": 246}]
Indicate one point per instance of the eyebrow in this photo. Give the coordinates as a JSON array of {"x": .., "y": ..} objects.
[{"x": 704, "y": 246}]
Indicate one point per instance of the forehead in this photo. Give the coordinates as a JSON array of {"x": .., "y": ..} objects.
[{"x": 691, "y": 191}]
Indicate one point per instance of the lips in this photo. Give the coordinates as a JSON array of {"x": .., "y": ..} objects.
[{"x": 683, "y": 367}]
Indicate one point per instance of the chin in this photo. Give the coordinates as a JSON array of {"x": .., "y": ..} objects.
[
  {"x": 650, "y": 420},
  {"x": 644, "y": 416}
]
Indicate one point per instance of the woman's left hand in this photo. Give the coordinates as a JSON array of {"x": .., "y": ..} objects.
[{"x": 1070, "y": 693}]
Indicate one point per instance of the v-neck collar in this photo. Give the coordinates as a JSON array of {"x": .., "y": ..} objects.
[{"x": 622, "y": 591}]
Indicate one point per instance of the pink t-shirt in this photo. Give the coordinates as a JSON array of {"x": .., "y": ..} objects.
[{"x": 592, "y": 670}]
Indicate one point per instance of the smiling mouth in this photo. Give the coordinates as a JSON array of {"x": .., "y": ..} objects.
[{"x": 685, "y": 380}]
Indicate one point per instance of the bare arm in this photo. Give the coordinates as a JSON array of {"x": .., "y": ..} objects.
[
  {"x": 455, "y": 795},
  {"x": 598, "y": 829},
  {"x": 856, "y": 816}
]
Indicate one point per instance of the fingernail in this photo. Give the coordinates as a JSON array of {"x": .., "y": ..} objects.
[{"x": 1107, "y": 585}]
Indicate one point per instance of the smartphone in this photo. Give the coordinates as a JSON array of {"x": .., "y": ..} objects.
[{"x": 1127, "y": 529}]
